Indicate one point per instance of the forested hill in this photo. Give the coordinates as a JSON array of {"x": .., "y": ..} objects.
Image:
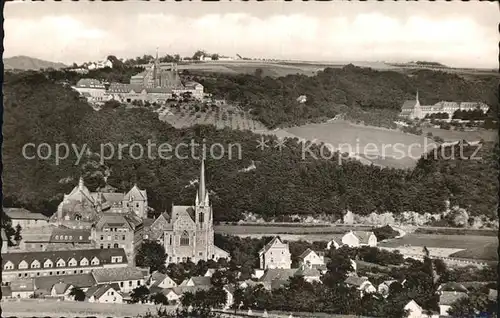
[
  {"x": 349, "y": 89},
  {"x": 40, "y": 111}
]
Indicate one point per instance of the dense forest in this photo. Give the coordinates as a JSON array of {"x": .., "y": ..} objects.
[{"x": 39, "y": 111}]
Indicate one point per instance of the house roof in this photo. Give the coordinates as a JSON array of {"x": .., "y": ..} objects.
[
  {"x": 99, "y": 290},
  {"x": 107, "y": 275},
  {"x": 356, "y": 281},
  {"x": 306, "y": 253},
  {"x": 277, "y": 274},
  {"x": 177, "y": 210},
  {"x": 447, "y": 298},
  {"x": 104, "y": 256},
  {"x": 22, "y": 285},
  {"x": 452, "y": 286},
  {"x": 136, "y": 194},
  {"x": 199, "y": 281},
  {"x": 86, "y": 94},
  {"x": 409, "y": 104},
  {"x": 308, "y": 272},
  {"x": 23, "y": 214},
  {"x": 81, "y": 280},
  {"x": 184, "y": 289},
  {"x": 89, "y": 82},
  {"x": 159, "y": 90},
  {"x": 268, "y": 246},
  {"x": 129, "y": 220},
  {"x": 61, "y": 288}
]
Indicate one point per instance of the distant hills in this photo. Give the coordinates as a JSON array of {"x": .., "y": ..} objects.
[{"x": 29, "y": 63}]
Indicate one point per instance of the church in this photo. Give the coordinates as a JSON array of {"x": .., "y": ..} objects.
[{"x": 189, "y": 234}]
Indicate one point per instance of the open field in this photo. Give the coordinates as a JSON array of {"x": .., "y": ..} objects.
[
  {"x": 244, "y": 230},
  {"x": 50, "y": 308},
  {"x": 484, "y": 252},
  {"x": 442, "y": 241}
]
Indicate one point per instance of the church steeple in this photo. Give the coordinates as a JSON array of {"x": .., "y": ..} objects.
[
  {"x": 81, "y": 185},
  {"x": 202, "y": 195},
  {"x": 416, "y": 97}
]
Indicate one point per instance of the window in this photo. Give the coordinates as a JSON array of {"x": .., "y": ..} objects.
[
  {"x": 57, "y": 237},
  {"x": 109, "y": 237},
  {"x": 109, "y": 245},
  {"x": 121, "y": 284},
  {"x": 129, "y": 283},
  {"x": 95, "y": 261},
  {"x": 123, "y": 237},
  {"x": 170, "y": 236},
  {"x": 102, "y": 237},
  {"x": 138, "y": 283},
  {"x": 50, "y": 273},
  {"x": 200, "y": 217},
  {"x": 116, "y": 245},
  {"x": 184, "y": 239},
  {"x": 102, "y": 246},
  {"x": 200, "y": 254}
]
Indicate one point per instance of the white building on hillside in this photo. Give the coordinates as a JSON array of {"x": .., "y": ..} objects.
[
  {"x": 276, "y": 254},
  {"x": 359, "y": 238}
]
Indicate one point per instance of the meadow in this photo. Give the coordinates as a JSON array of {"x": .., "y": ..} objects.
[
  {"x": 442, "y": 241},
  {"x": 51, "y": 308},
  {"x": 270, "y": 230},
  {"x": 455, "y": 135}
]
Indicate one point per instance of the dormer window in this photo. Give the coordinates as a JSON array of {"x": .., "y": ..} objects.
[
  {"x": 8, "y": 265},
  {"x": 61, "y": 263},
  {"x": 84, "y": 262},
  {"x": 23, "y": 265},
  {"x": 48, "y": 264},
  {"x": 95, "y": 261}
]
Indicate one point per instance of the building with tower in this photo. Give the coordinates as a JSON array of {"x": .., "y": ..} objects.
[
  {"x": 157, "y": 77},
  {"x": 412, "y": 109},
  {"x": 189, "y": 234},
  {"x": 81, "y": 208}
]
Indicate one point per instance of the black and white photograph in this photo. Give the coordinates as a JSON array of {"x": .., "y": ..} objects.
[{"x": 281, "y": 159}]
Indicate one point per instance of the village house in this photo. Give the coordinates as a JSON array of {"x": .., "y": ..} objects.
[
  {"x": 447, "y": 298},
  {"x": 54, "y": 263},
  {"x": 25, "y": 218},
  {"x": 312, "y": 259},
  {"x": 100, "y": 64},
  {"x": 210, "y": 272},
  {"x": 153, "y": 229},
  {"x": 93, "y": 90},
  {"x": 45, "y": 285},
  {"x": 196, "y": 281},
  {"x": 362, "y": 284},
  {"x": 359, "y": 238},
  {"x": 159, "y": 280},
  {"x": 276, "y": 277},
  {"x": 61, "y": 290},
  {"x": 126, "y": 278},
  {"x": 310, "y": 275},
  {"x": 416, "y": 311},
  {"x": 22, "y": 288},
  {"x": 275, "y": 254},
  {"x": 108, "y": 293},
  {"x": 384, "y": 287}
]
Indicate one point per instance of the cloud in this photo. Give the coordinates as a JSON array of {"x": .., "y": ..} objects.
[{"x": 455, "y": 39}]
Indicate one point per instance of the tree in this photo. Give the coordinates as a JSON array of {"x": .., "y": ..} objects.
[
  {"x": 338, "y": 268},
  {"x": 111, "y": 104},
  {"x": 198, "y": 54},
  {"x": 472, "y": 305},
  {"x": 17, "y": 235},
  {"x": 152, "y": 255},
  {"x": 159, "y": 298},
  {"x": 140, "y": 294},
  {"x": 187, "y": 299},
  {"x": 77, "y": 293},
  {"x": 215, "y": 57},
  {"x": 222, "y": 278}
]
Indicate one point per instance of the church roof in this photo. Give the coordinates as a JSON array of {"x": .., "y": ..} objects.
[
  {"x": 409, "y": 104},
  {"x": 136, "y": 194},
  {"x": 178, "y": 209}
]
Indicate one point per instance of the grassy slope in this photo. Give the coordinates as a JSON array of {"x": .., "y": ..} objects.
[{"x": 484, "y": 252}]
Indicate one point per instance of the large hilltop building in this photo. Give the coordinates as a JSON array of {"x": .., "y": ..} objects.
[
  {"x": 189, "y": 234},
  {"x": 412, "y": 109}
]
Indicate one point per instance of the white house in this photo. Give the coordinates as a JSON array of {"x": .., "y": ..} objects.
[
  {"x": 361, "y": 283},
  {"x": 415, "y": 311},
  {"x": 160, "y": 280},
  {"x": 22, "y": 288},
  {"x": 447, "y": 298},
  {"x": 311, "y": 259},
  {"x": 359, "y": 238},
  {"x": 61, "y": 290},
  {"x": 276, "y": 254},
  {"x": 126, "y": 278},
  {"x": 107, "y": 293},
  {"x": 209, "y": 272}
]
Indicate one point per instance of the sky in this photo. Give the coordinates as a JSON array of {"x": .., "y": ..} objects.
[{"x": 458, "y": 34}]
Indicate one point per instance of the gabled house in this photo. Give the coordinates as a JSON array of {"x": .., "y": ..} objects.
[
  {"x": 335, "y": 242},
  {"x": 125, "y": 278},
  {"x": 276, "y": 277},
  {"x": 359, "y": 238},
  {"x": 447, "y": 298},
  {"x": 196, "y": 281},
  {"x": 107, "y": 293},
  {"x": 159, "y": 280},
  {"x": 416, "y": 311},
  {"x": 384, "y": 287},
  {"x": 360, "y": 283},
  {"x": 210, "y": 272},
  {"x": 275, "y": 254},
  {"x": 311, "y": 259},
  {"x": 61, "y": 290},
  {"x": 310, "y": 274}
]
